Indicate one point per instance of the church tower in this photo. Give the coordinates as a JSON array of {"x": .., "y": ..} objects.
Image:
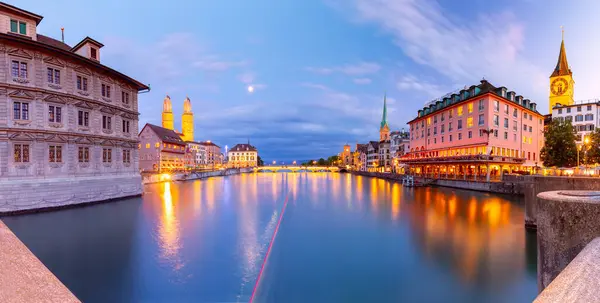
[
  {"x": 187, "y": 121},
  {"x": 167, "y": 114},
  {"x": 384, "y": 129},
  {"x": 561, "y": 80}
]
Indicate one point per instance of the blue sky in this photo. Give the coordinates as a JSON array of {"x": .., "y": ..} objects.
[{"x": 320, "y": 68}]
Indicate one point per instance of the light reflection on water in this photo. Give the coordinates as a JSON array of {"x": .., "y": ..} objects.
[{"x": 366, "y": 239}]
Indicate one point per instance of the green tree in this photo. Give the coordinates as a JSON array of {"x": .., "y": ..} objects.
[
  {"x": 260, "y": 161},
  {"x": 321, "y": 162},
  {"x": 333, "y": 160},
  {"x": 559, "y": 149},
  {"x": 593, "y": 147}
]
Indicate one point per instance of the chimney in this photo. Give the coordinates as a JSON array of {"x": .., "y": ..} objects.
[{"x": 62, "y": 30}]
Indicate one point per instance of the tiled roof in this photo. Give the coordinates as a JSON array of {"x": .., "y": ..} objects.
[
  {"x": 53, "y": 42},
  {"x": 375, "y": 144},
  {"x": 166, "y": 135},
  {"x": 243, "y": 147},
  {"x": 362, "y": 148},
  {"x": 208, "y": 143}
]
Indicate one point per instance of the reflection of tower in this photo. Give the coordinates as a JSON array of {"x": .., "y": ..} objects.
[
  {"x": 187, "y": 121},
  {"x": 384, "y": 129},
  {"x": 561, "y": 80},
  {"x": 167, "y": 114}
]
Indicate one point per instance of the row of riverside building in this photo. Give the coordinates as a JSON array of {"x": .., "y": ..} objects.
[
  {"x": 164, "y": 149},
  {"x": 69, "y": 124},
  {"x": 477, "y": 133}
]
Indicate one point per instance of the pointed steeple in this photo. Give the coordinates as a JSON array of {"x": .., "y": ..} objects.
[
  {"x": 562, "y": 66},
  {"x": 384, "y": 116}
]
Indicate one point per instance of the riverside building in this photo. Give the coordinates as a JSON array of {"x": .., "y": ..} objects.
[
  {"x": 479, "y": 132},
  {"x": 68, "y": 123}
]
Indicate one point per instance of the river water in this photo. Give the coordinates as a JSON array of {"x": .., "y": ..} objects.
[{"x": 342, "y": 238}]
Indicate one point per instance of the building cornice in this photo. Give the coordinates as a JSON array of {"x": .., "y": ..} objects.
[{"x": 27, "y": 134}]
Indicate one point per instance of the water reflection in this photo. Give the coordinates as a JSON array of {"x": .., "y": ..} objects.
[{"x": 169, "y": 231}]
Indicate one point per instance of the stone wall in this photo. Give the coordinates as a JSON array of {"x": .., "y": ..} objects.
[
  {"x": 25, "y": 195},
  {"x": 533, "y": 185}
]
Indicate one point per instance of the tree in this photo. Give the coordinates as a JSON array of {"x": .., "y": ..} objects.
[
  {"x": 259, "y": 161},
  {"x": 559, "y": 149},
  {"x": 322, "y": 162},
  {"x": 333, "y": 160},
  {"x": 593, "y": 148}
]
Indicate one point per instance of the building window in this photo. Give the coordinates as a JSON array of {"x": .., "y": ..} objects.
[
  {"x": 55, "y": 153},
  {"x": 450, "y": 112},
  {"x": 84, "y": 154},
  {"x": 106, "y": 122},
  {"x": 435, "y": 119},
  {"x": 54, "y": 114},
  {"x": 18, "y": 27},
  {"x": 505, "y": 135},
  {"x": 126, "y": 156},
  {"x": 53, "y": 75},
  {"x": 530, "y": 117},
  {"x": 82, "y": 83},
  {"x": 147, "y": 145},
  {"x": 525, "y": 127},
  {"x": 21, "y": 153},
  {"x": 449, "y": 126},
  {"x": 568, "y": 110},
  {"x": 506, "y": 109},
  {"x": 107, "y": 155},
  {"x": 567, "y": 118},
  {"x": 442, "y": 129},
  {"x": 459, "y": 124},
  {"x": 530, "y": 129},
  {"x": 481, "y": 105},
  {"x": 481, "y": 133},
  {"x": 435, "y": 130},
  {"x": 459, "y": 136},
  {"x": 106, "y": 91},
  {"x": 515, "y": 125},
  {"x": 125, "y": 126},
  {"x": 21, "y": 111},
  {"x": 469, "y": 121},
  {"x": 470, "y": 107},
  {"x": 578, "y": 108},
  {"x": 442, "y": 139},
  {"x": 496, "y": 120},
  {"x": 515, "y": 112},
  {"x": 560, "y": 111},
  {"x": 19, "y": 69},
  {"x": 450, "y": 138},
  {"x": 496, "y": 133},
  {"x": 589, "y": 117},
  {"x": 442, "y": 117},
  {"x": 496, "y": 106},
  {"x": 470, "y": 134},
  {"x": 83, "y": 118},
  {"x": 505, "y": 122},
  {"x": 459, "y": 111},
  {"x": 94, "y": 53},
  {"x": 578, "y": 118},
  {"x": 125, "y": 98},
  {"x": 481, "y": 120}
]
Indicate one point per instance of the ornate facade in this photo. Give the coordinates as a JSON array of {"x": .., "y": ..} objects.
[
  {"x": 243, "y": 155},
  {"x": 68, "y": 124}
]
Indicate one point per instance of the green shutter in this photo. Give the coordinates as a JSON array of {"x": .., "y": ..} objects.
[
  {"x": 13, "y": 26},
  {"x": 23, "y": 28}
]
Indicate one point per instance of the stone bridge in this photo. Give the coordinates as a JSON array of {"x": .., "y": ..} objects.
[{"x": 296, "y": 168}]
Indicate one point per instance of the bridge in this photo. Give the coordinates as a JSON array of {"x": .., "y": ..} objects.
[{"x": 296, "y": 168}]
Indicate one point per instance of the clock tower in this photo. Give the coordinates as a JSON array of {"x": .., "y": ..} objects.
[{"x": 561, "y": 80}]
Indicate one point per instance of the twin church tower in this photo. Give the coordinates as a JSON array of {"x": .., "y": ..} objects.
[{"x": 187, "y": 118}]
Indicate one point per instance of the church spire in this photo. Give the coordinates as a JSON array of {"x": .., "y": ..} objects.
[
  {"x": 384, "y": 116},
  {"x": 562, "y": 66}
]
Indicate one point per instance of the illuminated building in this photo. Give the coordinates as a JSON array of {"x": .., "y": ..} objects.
[
  {"x": 562, "y": 85},
  {"x": 346, "y": 155},
  {"x": 243, "y": 155},
  {"x": 480, "y": 131},
  {"x": 161, "y": 149},
  {"x": 359, "y": 157},
  {"x": 68, "y": 123},
  {"x": 187, "y": 118},
  {"x": 384, "y": 162}
]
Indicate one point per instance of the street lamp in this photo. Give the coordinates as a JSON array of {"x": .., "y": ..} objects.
[{"x": 586, "y": 140}]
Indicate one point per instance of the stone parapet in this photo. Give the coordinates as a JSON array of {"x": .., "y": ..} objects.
[
  {"x": 23, "y": 277},
  {"x": 566, "y": 222},
  {"x": 33, "y": 194}
]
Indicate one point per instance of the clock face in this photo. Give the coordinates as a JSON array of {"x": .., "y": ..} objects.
[{"x": 559, "y": 86}]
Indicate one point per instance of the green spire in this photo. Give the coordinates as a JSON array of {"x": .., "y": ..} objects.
[{"x": 384, "y": 117}]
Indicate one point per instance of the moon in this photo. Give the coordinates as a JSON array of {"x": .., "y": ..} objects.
[{"x": 250, "y": 88}]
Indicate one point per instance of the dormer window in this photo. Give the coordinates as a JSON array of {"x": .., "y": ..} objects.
[
  {"x": 94, "y": 53},
  {"x": 18, "y": 27}
]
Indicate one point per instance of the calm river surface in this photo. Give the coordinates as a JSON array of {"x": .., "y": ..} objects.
[{"x": 343, "y": 238}]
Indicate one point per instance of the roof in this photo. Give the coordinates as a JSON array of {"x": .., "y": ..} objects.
[
  {"x": 471, "y": 93},
  {"x": 82, "y": 42},
  {"x": 53, "y": 42},
  {"x": 59, "y": 47},
  {"x": 362, "y": 148},
  {"x": 375, "y": 144},
  {"x": 208, "y": 143},
  {"x": 243, "y": 147},
  {"x": 17, "y": 11},
  {"x": 384, "y": 116},
  {"x": 165, "y": 135},
  {"x": 562, "y": 66}
]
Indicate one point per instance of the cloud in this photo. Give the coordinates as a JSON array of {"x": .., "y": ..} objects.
[
  {"x": 361, "y": 68},
  {"x": 362, "y": 81},
  {"x": 486, "y": 44},
  {"x": 315, "y": 86},
  {"x": 410, "y": 82}
]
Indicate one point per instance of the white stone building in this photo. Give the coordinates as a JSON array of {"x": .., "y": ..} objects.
[
  {"x": 583, "y": 115},
  {"x": 68, "y": 124},
  {"x": 243, "y": 155}
]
